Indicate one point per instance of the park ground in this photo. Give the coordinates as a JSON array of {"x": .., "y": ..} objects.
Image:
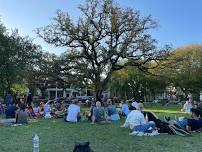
[{"x": 58, "y": 136}]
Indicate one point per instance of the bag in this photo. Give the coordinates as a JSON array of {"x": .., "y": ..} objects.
[{"x": 82, "y": 147}]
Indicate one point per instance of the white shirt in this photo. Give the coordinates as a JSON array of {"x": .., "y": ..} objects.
[
  {"x": 187, "y": 107},
  {"x": 135, "y": 118},
  {"x": 73, "y": 111}
]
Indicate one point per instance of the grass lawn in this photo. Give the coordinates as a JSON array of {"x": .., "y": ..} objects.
[{"x": 57, "y": 136}]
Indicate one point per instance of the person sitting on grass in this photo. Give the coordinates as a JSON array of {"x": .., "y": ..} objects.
[
  {"x": 73, "y": 112},
  {"x": 187, "y": 107},
  {"x": 137, "y": 123},
  {"x": 22, "y": 115},
  {"x": 41, "y": 108},
  {"x": 124, "y": 109},
  {"x": 47, "y": 110},
  {"x": 31, "y": 110},
  {"x": 194, "y": 123},
  {"x": 111, "y": 111},
  {"x": 99, "y": 114}
]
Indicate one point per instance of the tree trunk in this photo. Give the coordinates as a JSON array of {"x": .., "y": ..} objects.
[{"x": 98, "y": 95}]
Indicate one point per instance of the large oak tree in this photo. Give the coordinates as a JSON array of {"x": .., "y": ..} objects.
[{"x": 105, "y": 38}]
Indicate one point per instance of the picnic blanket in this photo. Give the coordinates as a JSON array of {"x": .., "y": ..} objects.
[
  {"x": 7, "y": 122},
  {"x": 11, "y": 122}
]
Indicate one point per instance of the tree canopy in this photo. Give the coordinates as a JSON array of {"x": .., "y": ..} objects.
[
  {"x": 18, "y": 56},
  {"x": 104, "y": 39}
]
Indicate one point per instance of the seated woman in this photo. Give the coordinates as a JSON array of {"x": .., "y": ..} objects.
[
  {"x": 137, "y": 123},
  {"x": 36, "y": 110},
  {"x": 111, "y": 111},
  {"x": 31, "y": 110},
  {"x": 73, "y": 112},
  {"x": 22, "y": 115},
  {"x": 41, "y": 108},
  {"x": 99, "y": 114}
]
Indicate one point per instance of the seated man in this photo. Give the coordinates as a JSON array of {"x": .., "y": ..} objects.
[
  {"x": 73, "y": 112},
  {"x": 99, "y": 114},
  {"x": 191, "y": 124},
  {"x": 137, "y": 123},
  {"x": 10, "y": 112},
  {"x": 22, "y": 115}
]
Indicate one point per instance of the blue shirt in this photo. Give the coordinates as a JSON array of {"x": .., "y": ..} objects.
[
  {"x": 125, "y": 109},
  {"x": 111, "y": 110}
]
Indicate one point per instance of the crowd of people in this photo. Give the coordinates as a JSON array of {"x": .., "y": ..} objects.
[{"x": 103, "y": 112}]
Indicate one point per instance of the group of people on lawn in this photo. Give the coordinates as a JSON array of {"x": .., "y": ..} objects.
[{"x": 139, "y": 122}]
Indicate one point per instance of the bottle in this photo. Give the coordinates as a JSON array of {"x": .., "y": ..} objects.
[{"x": 36, "y": 143}]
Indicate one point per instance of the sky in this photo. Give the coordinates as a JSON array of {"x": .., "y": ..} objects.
[{"x": 180, "y": 20}]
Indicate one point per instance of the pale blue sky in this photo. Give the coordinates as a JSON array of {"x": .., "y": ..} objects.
[{"x": 180, "y": 20}]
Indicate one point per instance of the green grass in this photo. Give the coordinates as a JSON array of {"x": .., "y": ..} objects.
[{"x": 57, "y": 136}]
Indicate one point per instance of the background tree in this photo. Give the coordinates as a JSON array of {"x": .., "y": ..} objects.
[
  {"x": 133, "y": 83},
  {"x": 105, "y": 35},
  {"x": 18, "y": 56},
  {"x": 183, "y": 68}
]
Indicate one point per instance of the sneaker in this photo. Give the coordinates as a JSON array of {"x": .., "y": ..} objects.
[
  {"x": 154, "y": 133},
  {"x": 140, "y": 134}
]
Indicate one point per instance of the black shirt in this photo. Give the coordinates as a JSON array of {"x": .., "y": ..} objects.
[{"x": 194, "y": 124}]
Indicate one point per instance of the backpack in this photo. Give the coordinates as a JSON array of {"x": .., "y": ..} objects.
[{"x": 82, "y": 147}]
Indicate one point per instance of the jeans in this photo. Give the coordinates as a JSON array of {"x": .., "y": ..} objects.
[
  {"x": 183, "y": 123},
  {"x": 144, "y": 127}
]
